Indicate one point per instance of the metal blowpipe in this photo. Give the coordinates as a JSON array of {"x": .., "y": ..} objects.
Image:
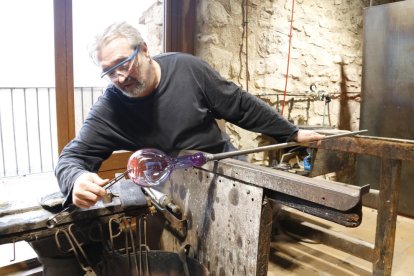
[{"x": 151, "y": 167}]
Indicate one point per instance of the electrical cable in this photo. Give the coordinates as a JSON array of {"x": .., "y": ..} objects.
[
  {"x": 244, "y": 43},
  {"x": 288, "y": 60}
]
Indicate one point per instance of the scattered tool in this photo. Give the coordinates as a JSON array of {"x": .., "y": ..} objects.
[{"x": 57, "y": 218}]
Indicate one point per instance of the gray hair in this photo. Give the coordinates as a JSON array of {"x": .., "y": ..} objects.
[{"x": 113, "y": 32}]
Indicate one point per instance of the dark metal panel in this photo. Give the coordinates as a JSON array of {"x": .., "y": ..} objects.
[
  {"x": 388, "y": 87},
  {"x": 224, "y": 220}
]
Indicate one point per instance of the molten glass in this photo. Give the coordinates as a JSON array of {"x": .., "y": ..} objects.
[{"x": 151, "y": 167}]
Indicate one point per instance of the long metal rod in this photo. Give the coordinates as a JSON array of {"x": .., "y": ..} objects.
[
  {"x": 116, "y": 179},
  {"x": 219, "y": 156}
]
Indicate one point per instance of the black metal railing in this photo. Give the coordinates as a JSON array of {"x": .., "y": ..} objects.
[{"x": 28, "y": 130}]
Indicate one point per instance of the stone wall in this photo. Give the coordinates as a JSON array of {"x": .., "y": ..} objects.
[
  {"x": 153, "y": 19},
  {"x": 326, "y": 50}
]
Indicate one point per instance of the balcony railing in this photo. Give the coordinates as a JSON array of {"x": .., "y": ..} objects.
[{"x": 28, "y": 130}]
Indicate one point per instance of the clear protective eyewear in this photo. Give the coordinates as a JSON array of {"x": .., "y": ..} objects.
[{"x": 123, "y": 66}]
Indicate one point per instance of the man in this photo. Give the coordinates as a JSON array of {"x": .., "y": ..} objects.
[{"x": 170, "y": 102}]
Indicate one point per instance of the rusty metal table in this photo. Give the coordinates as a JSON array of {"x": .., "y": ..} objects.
[{"x": 228, "y": 207}]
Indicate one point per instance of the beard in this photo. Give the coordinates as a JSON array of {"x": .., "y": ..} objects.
[{"x": 135, "y": 88}]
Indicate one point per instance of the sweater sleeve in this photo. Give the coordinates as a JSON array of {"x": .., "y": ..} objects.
[
  {"x": 228, "y": 101},
  {"x": 77, "y": 158},
  {"x": 85, "y": 153}
]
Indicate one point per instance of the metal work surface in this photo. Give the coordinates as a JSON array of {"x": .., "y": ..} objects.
[
  {"x": 22, "y": 217},
  {"x": 387, "y": 87},
  {"x": 119, "y": 225},
  {"x": 227, "y": 212}
]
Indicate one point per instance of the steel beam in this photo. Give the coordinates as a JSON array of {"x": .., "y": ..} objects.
[{"x": 327, "y": 193}]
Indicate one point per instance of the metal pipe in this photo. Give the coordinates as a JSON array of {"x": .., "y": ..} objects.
[{"x": 219, "y": 156}]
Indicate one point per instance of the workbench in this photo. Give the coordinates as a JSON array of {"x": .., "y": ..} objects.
[
  {"x": 27, "y": 204},
  {"x": 22, "y": 216},
  {"x": 229, "y": 205},
  {"x": 392, "y": 153},
  {"x": 119, "y": 222}
]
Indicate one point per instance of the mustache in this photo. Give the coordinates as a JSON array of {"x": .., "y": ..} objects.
[{"x": 130, "y": 80}]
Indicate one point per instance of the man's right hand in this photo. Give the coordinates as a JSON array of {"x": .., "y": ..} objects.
[
  {"x": 87, "y": 190},
  {"x": 305, "y": 135}
]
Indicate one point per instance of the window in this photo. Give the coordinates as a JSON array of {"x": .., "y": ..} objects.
[
  {"x": 178, "y": 36},
  {"x": 147, "y": 16},
  {"x": 28, "y": 141},
  {"x": 46, "y": 65}
]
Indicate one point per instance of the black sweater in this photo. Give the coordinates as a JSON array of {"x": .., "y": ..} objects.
[{"x": 179, "y": 114}]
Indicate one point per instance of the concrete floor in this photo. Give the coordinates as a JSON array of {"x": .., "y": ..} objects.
[{"x": 289, "y": 256}]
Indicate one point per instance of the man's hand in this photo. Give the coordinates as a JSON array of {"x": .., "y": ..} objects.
[
  {"x": 87, "y": 190},
  {"x": 304, "y": 135}
]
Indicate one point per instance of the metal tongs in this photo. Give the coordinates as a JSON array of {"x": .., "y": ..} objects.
[{"x": 57, "y": 218}]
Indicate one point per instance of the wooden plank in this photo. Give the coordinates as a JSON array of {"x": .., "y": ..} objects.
[
  {"x": 387, "y": 216},
  {"x": 180, "y": 26},
  {"x": 264, "y": 240},
  {"x": 371, "y": 199},
  {"x": 326, "y": 161},
  {"x": 65, "y": 115},
  {"x": 400, "y": 149},
  {"x": 117, "y": 161},
  {"x": 300, "y": 226}
]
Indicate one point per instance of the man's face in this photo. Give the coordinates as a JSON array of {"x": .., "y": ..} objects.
[{"x": 126, "y": 67}]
